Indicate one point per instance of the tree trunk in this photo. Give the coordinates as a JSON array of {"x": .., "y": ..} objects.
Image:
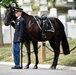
[
  {"x": 53, "y": 3},
  {"x": 1, "y": 36}
]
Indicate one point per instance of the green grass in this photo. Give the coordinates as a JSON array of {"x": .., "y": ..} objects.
[{"x": 68, "y": 60}]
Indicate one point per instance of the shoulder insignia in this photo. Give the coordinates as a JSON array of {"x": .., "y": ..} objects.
[{"x": 17, "y": 23}]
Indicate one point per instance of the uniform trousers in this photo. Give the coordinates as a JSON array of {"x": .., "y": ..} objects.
[{"x": 16, "y": 53}]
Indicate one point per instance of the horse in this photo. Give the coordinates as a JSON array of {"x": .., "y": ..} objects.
[{"x": 34, "y": 34}]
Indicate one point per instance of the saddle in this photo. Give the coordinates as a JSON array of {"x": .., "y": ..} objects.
[{"x": 44, "y": 24}]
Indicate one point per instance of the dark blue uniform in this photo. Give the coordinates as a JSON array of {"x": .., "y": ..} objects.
[
  {"x": 18, "y": 37},
  {"x": 19, "y": 29}
]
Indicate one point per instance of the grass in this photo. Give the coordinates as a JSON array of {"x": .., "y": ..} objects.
[{"x": 68, "y": 60}]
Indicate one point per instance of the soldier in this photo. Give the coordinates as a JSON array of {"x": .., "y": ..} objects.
[{"x": 18, "y": 37}]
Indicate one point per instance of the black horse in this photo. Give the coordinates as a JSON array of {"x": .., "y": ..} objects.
[{"x": 33, "y": 33}]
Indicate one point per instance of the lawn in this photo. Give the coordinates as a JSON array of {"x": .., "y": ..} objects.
[{"x": 69, "y": 60}]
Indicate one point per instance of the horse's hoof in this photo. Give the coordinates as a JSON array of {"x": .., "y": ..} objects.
[
  {"x": 35, "y": 67},
  {"x": 26, "y": 67},
  {"x": 53, "y": 67}
]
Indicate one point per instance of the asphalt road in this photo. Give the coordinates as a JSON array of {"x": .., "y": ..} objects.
[{"x": 6, "y": 70}]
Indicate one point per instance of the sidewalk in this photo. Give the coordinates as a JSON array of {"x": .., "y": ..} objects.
[{"x": 42, "y": 66}]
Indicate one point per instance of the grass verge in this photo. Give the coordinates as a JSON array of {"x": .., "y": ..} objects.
[{"x": 68, "y": 60}]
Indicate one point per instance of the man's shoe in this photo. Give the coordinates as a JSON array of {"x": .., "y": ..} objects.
[{"x": 16, "y": 67}]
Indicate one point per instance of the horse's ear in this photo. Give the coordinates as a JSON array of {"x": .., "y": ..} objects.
[
  {"x": 8, "y": 7},
  {"x": 5, "y": 6}
]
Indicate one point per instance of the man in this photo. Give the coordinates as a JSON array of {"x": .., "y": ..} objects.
[{"x": 18, "y": 37}]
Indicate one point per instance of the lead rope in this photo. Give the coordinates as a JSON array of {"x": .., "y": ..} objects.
[{"x": 21, "y": 55}]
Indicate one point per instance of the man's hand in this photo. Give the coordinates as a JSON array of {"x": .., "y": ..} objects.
[{"x": 19, "y": 39}]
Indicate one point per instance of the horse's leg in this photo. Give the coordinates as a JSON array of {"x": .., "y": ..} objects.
[
  {"x": 27, "y": 44},
  {"x": 55, "y": 44},
  {"x": 35, "y": 45}
]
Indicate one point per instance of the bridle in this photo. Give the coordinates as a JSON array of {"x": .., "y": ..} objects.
[{"x": 13, "y": 14}]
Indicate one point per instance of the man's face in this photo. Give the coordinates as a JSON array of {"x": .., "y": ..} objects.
[{"x": 17, "y": 14}]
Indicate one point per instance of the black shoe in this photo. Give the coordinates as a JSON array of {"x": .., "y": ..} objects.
[{"x": 16, "y": 67}]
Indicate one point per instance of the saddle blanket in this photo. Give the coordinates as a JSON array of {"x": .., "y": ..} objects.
[{"x": 47, "y": 24}]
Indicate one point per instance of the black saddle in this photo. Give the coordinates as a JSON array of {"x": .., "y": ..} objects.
[{"x": 44, "y": 22}]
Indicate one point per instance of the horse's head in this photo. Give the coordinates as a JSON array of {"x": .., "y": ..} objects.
[{"x": 9, "y": 15}]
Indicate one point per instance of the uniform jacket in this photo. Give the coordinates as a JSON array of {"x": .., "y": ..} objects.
[{"x": 19, "y": 29}]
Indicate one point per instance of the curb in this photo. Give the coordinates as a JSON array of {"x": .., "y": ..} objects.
[{"x": 43, "y": 66}]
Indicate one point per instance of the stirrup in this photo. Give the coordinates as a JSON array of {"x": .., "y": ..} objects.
[{"x": 43, "y": 36}]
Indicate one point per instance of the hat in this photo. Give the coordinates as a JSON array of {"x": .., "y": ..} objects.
[{"x": 18, "y": 10}]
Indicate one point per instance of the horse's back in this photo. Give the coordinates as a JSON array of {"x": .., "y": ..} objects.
[{"x": 56, "y": 23}]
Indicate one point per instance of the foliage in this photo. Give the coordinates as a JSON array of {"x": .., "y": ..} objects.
[{"x": 6, "y": 3}]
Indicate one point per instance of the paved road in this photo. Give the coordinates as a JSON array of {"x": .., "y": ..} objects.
[{"x": 6, "y": 70}]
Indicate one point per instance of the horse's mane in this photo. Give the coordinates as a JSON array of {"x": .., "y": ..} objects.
[
  {"x": 27, "y": 17},
  {"x": 23, "y": 13}
]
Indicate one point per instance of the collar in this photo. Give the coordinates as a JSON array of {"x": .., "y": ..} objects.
[{"x": 18, "y": 17}]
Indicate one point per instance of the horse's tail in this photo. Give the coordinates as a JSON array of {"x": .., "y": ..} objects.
[{"x": 65, "y": 45}]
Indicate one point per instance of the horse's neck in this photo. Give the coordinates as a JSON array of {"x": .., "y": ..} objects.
[
  {"x": 30, "y": 22},
  {"x": 26, "y": 16}
]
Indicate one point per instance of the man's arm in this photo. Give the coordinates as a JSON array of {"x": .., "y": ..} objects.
[{"x": 21, "y": 30}]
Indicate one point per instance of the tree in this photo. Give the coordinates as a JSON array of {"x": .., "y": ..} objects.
[
  {"x": 53, "y": 3},
  {"x": 1, "y": 36},
  {"x": 75, "y": 2},
  {"x": 5, "y": 3}
]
